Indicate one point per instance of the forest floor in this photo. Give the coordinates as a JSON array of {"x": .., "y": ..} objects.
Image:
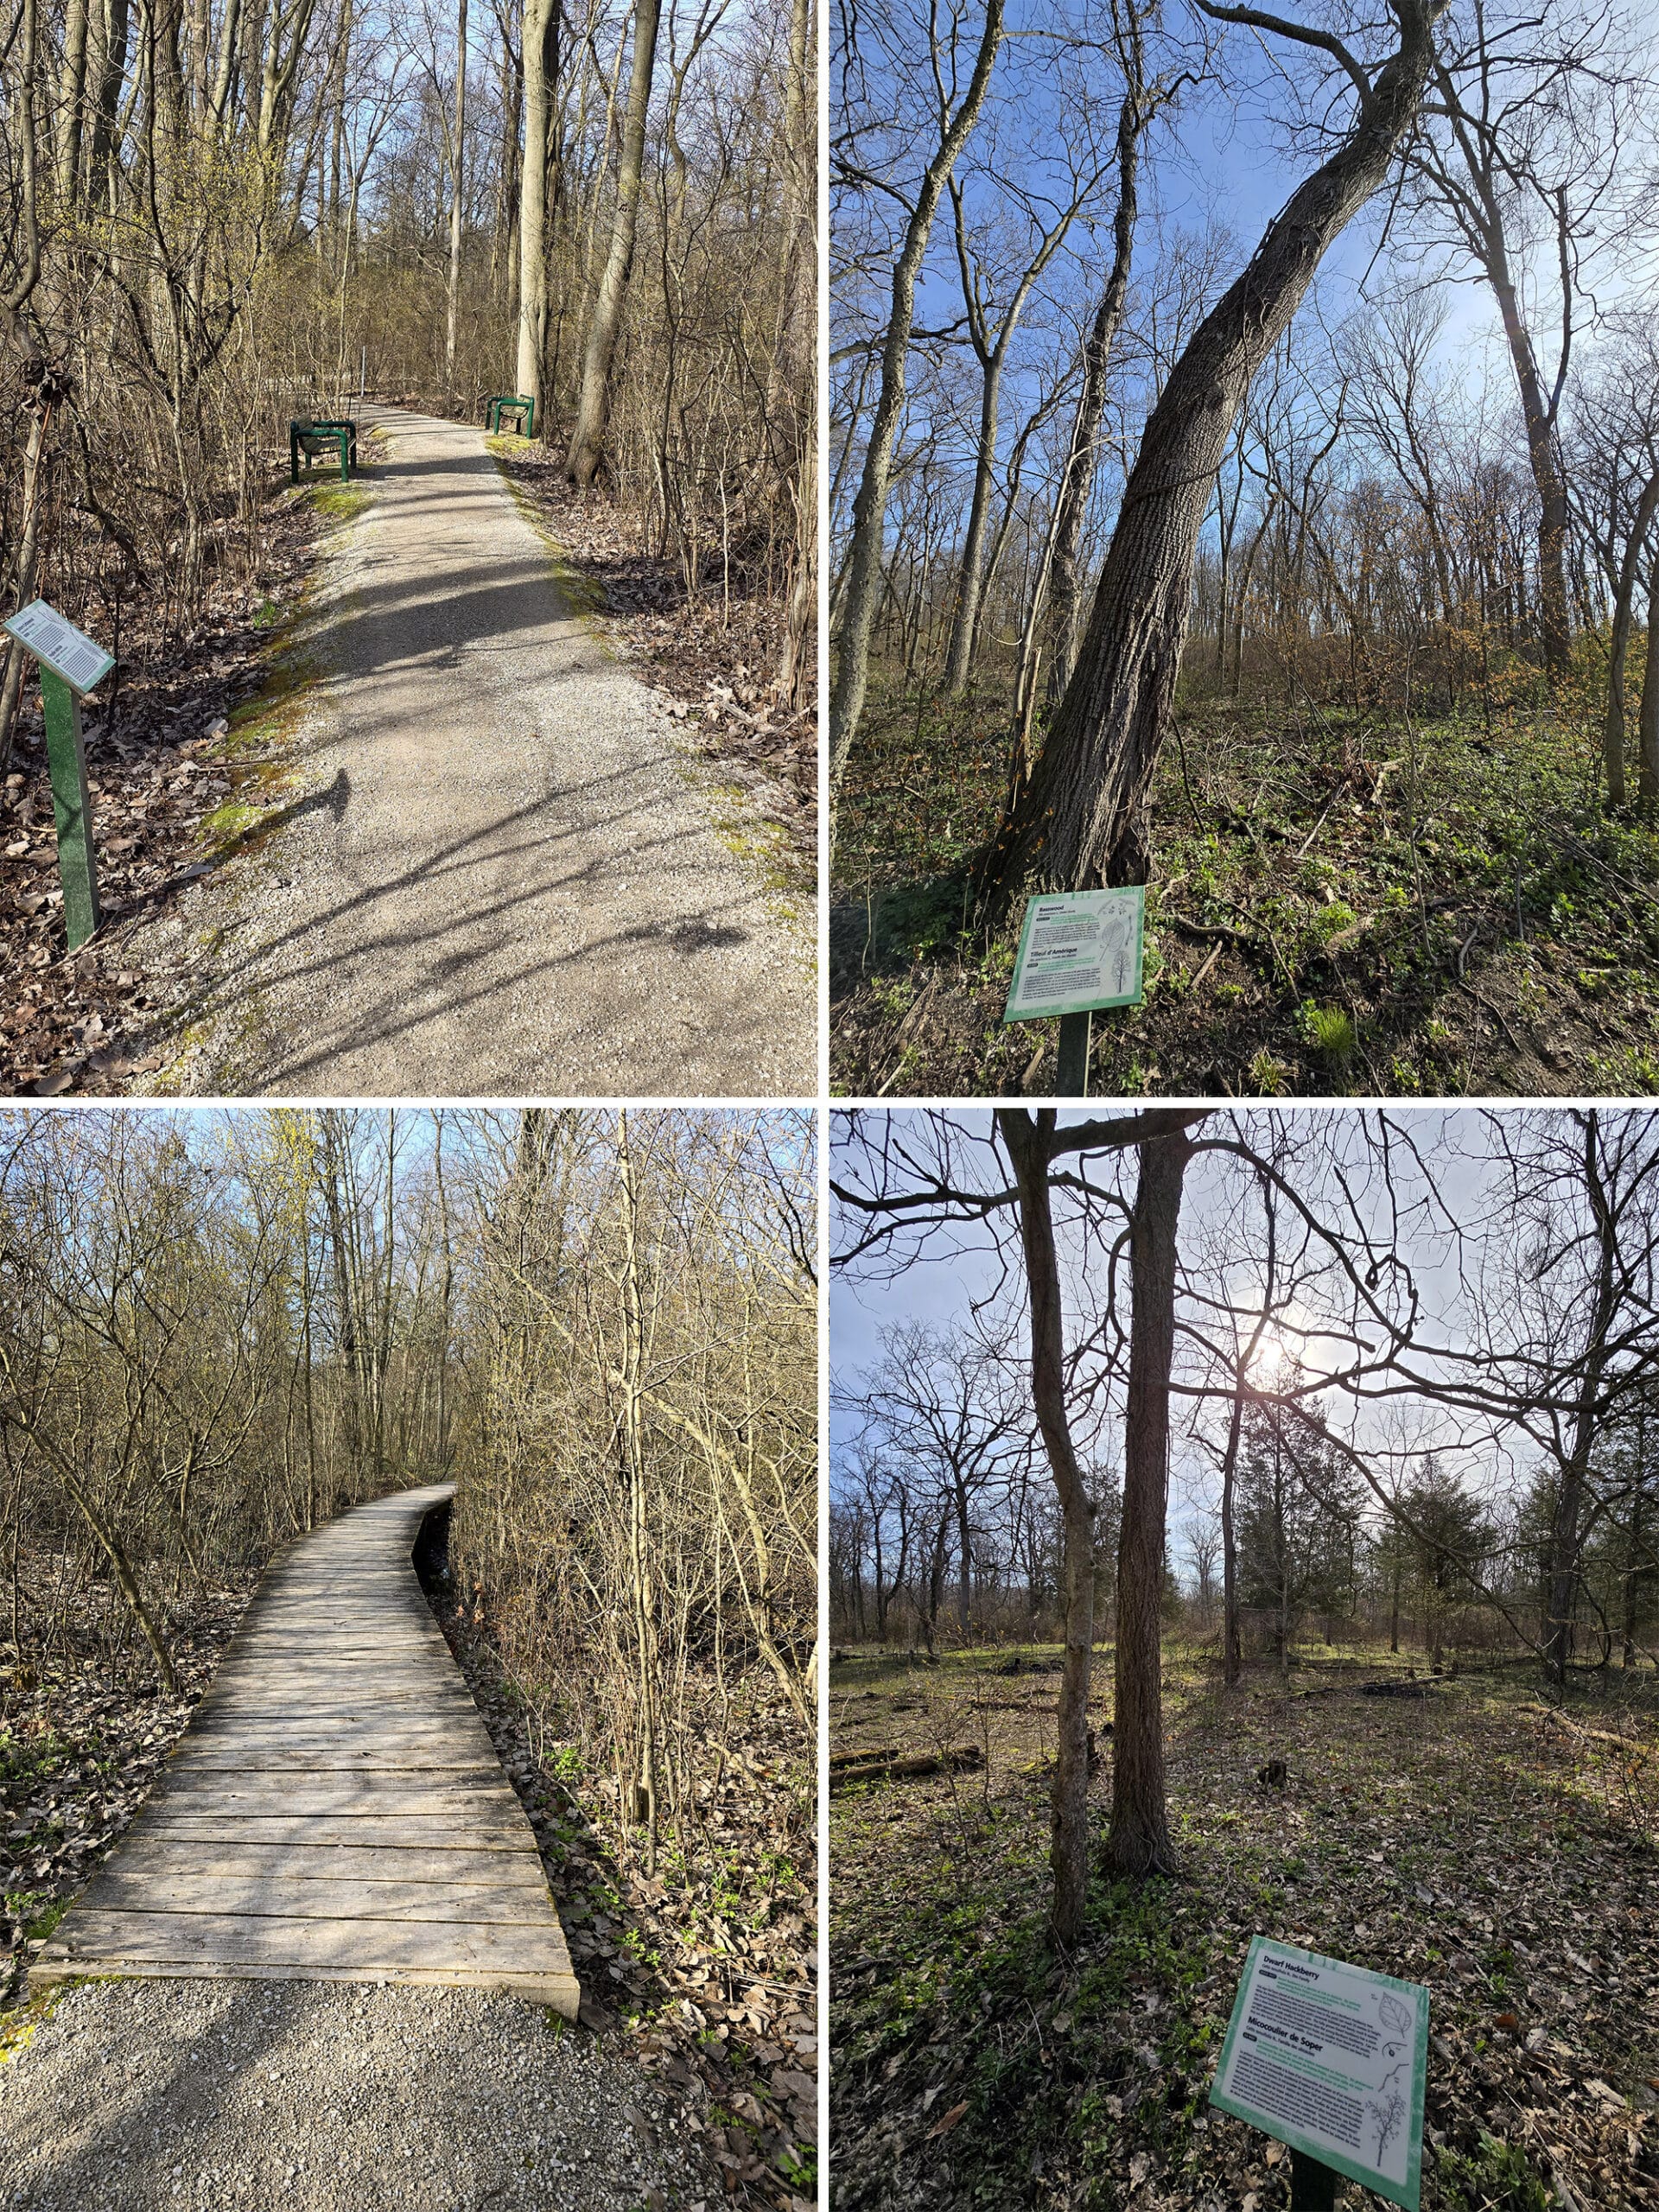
[
  {"x": 163, "y": 766},
  {"x": 705, "y": 1970},
  {"x": 1338, "y": 907},
  {"x": 699, "y": 1981},
  {"x": 714, "y": 651},
  {"x": 1465, "y": 1839}
]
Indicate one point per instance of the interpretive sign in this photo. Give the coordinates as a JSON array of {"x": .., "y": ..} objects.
[
  {"x": 80, "y": 660},
  {"x": 1080, "y": 950},
  {"x": 70, "y": 663},
  {"x": 1329, "y": 2059}
]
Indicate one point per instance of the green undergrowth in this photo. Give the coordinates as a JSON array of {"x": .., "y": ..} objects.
[
  {"x": 1339, "y": 902},
  {"x": 584, "y": 596},
  {"x": 977, "y": 2064}
]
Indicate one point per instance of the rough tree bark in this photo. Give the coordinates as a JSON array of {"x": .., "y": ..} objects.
[
  {"x": 1077, "y": 821},
  {"x": 1139, "y": 1842},
  {"x": 1077, "y": 482},
  {"x": 862, "y": 588},
  {"x": 1567, "y": 1530},
  {"x": 594, "y": 405},
  {"x": 1028, "y": 1150},
  {"x": 1648, "y": 735},
  {"x": 540, "y": 70},
  {"x": 1619, "y": 646},
  {"x": 457, "y": 169}
]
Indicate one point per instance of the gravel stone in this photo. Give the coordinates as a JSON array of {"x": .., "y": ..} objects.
[{"x": 197, "y": 2096}]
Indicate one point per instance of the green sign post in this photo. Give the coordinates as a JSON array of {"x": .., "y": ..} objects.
[
  {"x": 71, "y": 664},
  {"x": 1079, "y": 951},
  {"x": 1331, "y": 2059}
]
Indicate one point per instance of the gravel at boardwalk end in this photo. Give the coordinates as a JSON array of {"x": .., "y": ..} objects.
[{"x": 133, "y": 2096}]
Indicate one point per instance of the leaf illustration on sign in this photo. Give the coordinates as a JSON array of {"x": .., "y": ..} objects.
[{"x": 1393, "y": 2014}]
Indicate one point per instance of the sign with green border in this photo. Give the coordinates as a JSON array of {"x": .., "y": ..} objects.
[
  {"x": 1080, "y": 950},
  {"x": 68, "y": 652},
  {"x": 1329, "y": 2059}
]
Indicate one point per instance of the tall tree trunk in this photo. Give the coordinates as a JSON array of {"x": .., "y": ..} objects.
[
  {"x": 541, "y": 37},
  {"x": 1078, "y": 820},
  {"x": 457, "y": 173},
  {"x": 797, "y": 356},
  {"x": 594, "y": 405},
  {"x": 1139, "y": 1842},
  {"x": 632, "y": 1426},
  {"x": 1567, "y": 1522},
  {"x": 1232, "y": 1660},
  {"x": 1618, "y": 653},
  {"x": 862, "y": 590},
  {"x": 1068, "y": 1800},
  {"x": 1077, "y": 480},
  {"x": 72, "y": 91},
  {"x": 959, "y": 654},
  {"x": 1649, "y": 730}
]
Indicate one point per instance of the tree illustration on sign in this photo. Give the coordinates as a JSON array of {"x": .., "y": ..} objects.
[{"x": 1386, "y": 2111}]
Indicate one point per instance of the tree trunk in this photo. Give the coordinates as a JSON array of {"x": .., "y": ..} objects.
[
  {"x": 862, "y": 588},
  {"x": 796, "y": 358},
  {"x": 594, "y": 406},
  {"x": 22, "y": 579},
  {"x": 1139, "y": 1842},
  {"x": 1232, "y": 1658},
  {"x": 1069, "y": 1800},
  {"x": 1624, "y": 601},
  {"x": 959, "y": 654},
  {"x": 127, "y": 1582},
  {"x": 1567, "y": 1523},
  {"x": 1648, "y": 733},
  {"x": 457, "y": 172},
  {"x": 1078, "y": 822},
  {"x": 541, "y": 37},
  {"x": 1077, "y": 481},
  {"x": 72, "y": 90}
]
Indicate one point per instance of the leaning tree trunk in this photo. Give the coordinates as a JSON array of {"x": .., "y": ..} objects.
[
  {"x": 1139, "y": 1842},
  {"x": 1069, "y": 1798},
  {"x": 593, "y": 407},
  {"x": 541, "y": 40},
  {"x": 1078, "y": 822},
  {"x": 1618, "y": 653},
  {"x": 862, "y": 590}
]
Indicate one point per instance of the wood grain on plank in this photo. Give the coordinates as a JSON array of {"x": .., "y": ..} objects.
[{"x": 335, "y": 1810}]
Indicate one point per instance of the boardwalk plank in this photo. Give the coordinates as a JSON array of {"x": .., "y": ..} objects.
[{"x": 335, "y": 1810}]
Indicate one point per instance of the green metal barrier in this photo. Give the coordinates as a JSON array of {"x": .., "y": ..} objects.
[
  {"x": 315, "y": 437},
  {"x": 509, "y": 402}
]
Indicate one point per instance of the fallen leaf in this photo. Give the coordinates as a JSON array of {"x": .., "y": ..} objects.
[{"x": 944, "y": 2127}]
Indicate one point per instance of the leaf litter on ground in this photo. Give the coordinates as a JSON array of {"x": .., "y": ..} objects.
[{"x": 1455, "y": 1839}]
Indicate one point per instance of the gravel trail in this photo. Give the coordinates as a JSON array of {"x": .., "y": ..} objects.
[
  {"x": 504, "y": 877},
  {"x": 174, "y": 2096}
]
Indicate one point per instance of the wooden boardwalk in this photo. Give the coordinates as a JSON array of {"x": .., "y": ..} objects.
[{"x": 335, "y": 1810}]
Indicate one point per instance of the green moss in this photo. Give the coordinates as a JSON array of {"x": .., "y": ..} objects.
[{"x": 583, "y": 594}]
